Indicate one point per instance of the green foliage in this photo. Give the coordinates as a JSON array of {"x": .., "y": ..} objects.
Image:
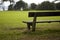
[
  {"x": 20, "y": 4},
  {"x": 4, "y": 0},
  {"x": 10, "y": 7},
  {"x": 46, "y": 5},
  {"x": 33, "y": 6},
  {"x": 58, "y": 6}
]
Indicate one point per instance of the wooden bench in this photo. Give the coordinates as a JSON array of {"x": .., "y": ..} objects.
[{"x": 40, "y": 14}]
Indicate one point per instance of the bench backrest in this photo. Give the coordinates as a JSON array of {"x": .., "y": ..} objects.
[{"x": 39, "y": 14}]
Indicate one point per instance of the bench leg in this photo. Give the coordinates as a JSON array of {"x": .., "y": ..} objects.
[
  {"x": 28, "y": 26},
  {"x": 33, "y": 27}
]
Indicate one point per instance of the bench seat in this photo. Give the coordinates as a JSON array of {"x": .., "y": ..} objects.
[{"x": 42, "y": 21}]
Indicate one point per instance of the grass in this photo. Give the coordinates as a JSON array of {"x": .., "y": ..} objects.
[{"x": 12, "y": 27}]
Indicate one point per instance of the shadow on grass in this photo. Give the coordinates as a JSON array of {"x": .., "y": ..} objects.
[
  {"x": 23, "y": 34},
  {"x": 40, "y": 32}
]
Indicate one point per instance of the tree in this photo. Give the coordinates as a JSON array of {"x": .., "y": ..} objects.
[
  {"x": 33, "y": 6},
  {"x": 11, "y": 4},
  {"x": 8, "y": 0},
  {"x": 38, "y": 7},
  {"x": 20, "y": 4},
  {"x": 11, "y": 1},
  {"x": 10, "y": 7},
  {"x": 58, "y": 6},
  {"x": 46, "y": 5},
  {"x": 26, "y": 6},
  {"x": 4, "y": 0}
]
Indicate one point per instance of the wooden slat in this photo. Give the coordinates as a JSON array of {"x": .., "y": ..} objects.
[
  {"x": 42, "y": 21},
  {"x": 39, "y": 14}
]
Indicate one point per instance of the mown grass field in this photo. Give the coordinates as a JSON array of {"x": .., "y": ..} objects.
[{"x": 12, "y": 27}]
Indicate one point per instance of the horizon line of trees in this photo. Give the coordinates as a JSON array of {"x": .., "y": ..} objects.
[{"x": 45, "y": 5}]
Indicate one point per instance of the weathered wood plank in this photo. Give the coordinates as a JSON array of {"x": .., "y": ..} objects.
[
  {"x": 42, "y": 21},
  {"x": 39, "y": 14}
]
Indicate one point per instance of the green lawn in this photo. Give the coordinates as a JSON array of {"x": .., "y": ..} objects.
[
  {"x": 15, "y": 18},
  {"x": 12, "y": 27}
]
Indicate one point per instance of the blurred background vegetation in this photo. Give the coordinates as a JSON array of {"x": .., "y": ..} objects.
[{"x": 21, "y": 5}]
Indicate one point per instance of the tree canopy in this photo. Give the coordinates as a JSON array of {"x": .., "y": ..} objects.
[
  {"x": 58, "y": 6},
  {"x": 46, "y": 5},
  {"x": 20, "y": 4},
  {"x": 33, "y": 6}
]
